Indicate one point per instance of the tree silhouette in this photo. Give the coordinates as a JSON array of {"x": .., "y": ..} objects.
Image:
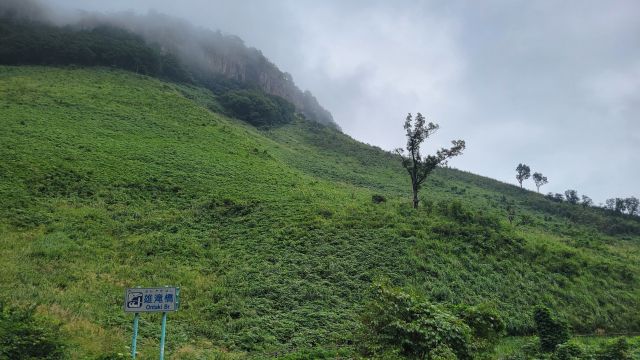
[
  {"x": 632, "y": 204},
  {"x": 617, "y": 205},
  {"x": 417, "y": 166},
  {"x": 523, "y": 173},
  {"x": 539, "y": 179},
  {"x": 571, "y": 196}
]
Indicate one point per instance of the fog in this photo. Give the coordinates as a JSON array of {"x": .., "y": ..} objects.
[{"x": 555, "y": 85}]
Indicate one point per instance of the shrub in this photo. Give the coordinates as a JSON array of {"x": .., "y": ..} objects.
[
  {"x": 22, "y": 336},
  {"x": 551, "y": 331},
  {"x": 569, "y": 351},
  {"x": 485, "y": 323},
  {"x": 455, "y": 210},
  {"x": 257, "y": 108},
  {"x": 316, "y": 353},
  {"x": 427, "y": 204},
  {"x": 618, "y": 350},
  {"x": 377, "y": 199},
  {"x": 526, "y": 219},
  {"x": 443, "y": 352},
  {"x": 414, "y": 327},
  {"x": 528, "y": 351}
]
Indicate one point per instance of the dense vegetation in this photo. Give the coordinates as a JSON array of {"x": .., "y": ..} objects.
[
  {"x": 23, "y": 336},
  {"x": 23, "y": 43},
  {"x": 110, "y": 179},
  {"x": 257, "y": 108},
  {"x": 401, "y": 324}
]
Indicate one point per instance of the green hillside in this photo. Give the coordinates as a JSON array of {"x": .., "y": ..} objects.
[{"x": 110, "y": 179}]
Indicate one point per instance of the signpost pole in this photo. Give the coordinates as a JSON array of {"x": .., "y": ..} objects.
[
  {"x": 135, "y": 335},
  {"x": 142, "y": 300},
  {"x": 162, "y": 335}
]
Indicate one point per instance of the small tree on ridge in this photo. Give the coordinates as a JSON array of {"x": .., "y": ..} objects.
[
  {"x": 523, "y": 173},
  {"x": 418, "y": 166},
  {"x": 539, "y": 179},
  {"x": 632, "y": 204}
]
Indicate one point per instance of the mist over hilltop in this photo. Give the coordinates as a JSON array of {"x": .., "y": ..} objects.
[{"x": 208, "y": 54}]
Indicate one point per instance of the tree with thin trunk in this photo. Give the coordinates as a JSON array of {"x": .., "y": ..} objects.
[
  {"x": 523, "y": 172},
  {"x": 616, "y": 205},
  {"x": 620, "y": 205},
  {"x": 632, "y": 204},
  {"x": 539, "y": 179},
  {"x": 586, "y": 201},
  {"x": 418, "y": 166},
  {"x": 610, "y": 204}
]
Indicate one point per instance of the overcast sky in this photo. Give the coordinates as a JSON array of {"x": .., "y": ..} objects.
[{"x": 552, "y": 84}]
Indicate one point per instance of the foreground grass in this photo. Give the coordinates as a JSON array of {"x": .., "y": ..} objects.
[
  {"x": 511, "y": 346},
  {"x": 110, "y": 179}
]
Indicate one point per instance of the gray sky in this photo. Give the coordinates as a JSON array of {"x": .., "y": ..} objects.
[{"x": 553, "y": 84}]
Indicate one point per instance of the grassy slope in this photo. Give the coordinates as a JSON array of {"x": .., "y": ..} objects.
[{"x": 109, "y": 179}]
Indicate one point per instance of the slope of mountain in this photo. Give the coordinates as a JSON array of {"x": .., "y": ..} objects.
[{"x": 110, "y": 179}]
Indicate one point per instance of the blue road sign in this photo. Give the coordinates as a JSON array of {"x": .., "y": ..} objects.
[{"x": 161, "y": 299}]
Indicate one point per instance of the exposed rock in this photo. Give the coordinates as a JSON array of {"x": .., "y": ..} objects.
[{"x": 212, "y": 53}]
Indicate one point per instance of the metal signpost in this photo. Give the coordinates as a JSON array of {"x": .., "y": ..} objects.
[{"x": 161, "y": 299}]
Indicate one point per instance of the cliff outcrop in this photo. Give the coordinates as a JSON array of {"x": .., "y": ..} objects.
[{"x": 211, "y": 54}]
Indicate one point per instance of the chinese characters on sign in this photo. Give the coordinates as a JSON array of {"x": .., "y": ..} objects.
[{"x": 151, "y": 299}]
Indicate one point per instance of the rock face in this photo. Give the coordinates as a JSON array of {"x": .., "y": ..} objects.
[{"x": 213, "y": 54}]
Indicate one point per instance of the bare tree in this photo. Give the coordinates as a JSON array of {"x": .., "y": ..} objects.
[
  {"x": 523, "y": 172},
  {"x": 539, "y": 179},
  {"x": 418, "y": 166}
]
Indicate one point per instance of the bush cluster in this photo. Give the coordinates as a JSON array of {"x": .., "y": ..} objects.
[
  {"x": 23, "y": 336},
  {"x": 485, "y": 322},
  {"x": 618, "y": 349},
  {"x": 257, "y": 108},
  {"x": 554, "y": 342},
  {"x": 403, "y": 324},
  {"x": 551, "y": 331}
]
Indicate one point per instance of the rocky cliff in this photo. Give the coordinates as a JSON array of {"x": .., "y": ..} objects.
[{"x": 211, "y": 54}]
